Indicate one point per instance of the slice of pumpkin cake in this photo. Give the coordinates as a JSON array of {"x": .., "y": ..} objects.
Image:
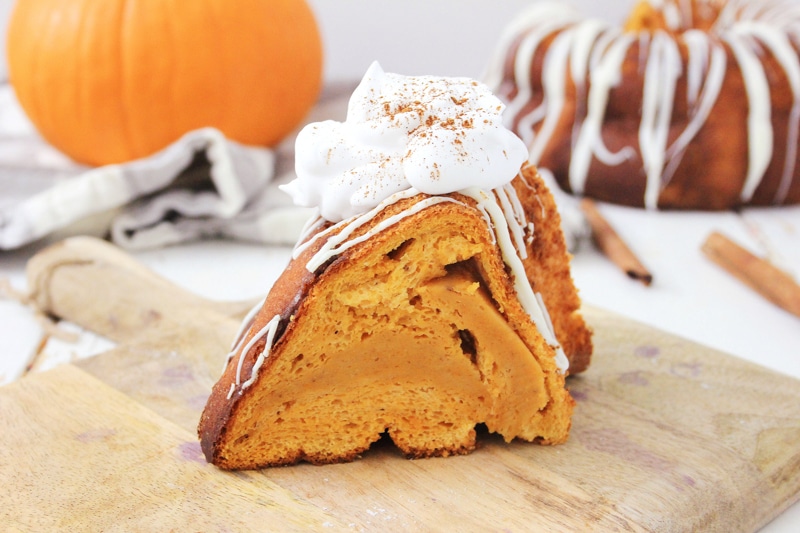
[{"x": 431, "y": 294}]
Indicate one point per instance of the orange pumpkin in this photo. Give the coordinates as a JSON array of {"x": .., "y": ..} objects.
[{"x": 107, "y": 81}]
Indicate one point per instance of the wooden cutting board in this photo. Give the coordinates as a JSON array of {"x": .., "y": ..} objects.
[{"x": 667, "y": 435}]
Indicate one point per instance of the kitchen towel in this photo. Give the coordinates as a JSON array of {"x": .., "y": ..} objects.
[{"x": 200, "y": 186}]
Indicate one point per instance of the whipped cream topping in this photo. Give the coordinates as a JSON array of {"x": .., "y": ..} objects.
[{"x": 435, "y": 135}]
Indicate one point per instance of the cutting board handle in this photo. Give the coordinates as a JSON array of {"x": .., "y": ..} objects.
[{"x": 98, "y": 286}]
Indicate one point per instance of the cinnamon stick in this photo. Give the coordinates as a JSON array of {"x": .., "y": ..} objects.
[
  {"x": 759, "y": 274},
  {"x": 612, "y": 245}
]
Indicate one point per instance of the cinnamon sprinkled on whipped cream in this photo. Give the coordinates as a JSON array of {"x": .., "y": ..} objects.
[{"x": 432, "y": 134}]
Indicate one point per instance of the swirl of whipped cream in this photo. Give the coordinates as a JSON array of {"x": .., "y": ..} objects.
[{"x": 436, "y": 135}]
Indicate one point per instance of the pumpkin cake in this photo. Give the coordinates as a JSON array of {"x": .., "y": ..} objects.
[
  {"x": 432, "y": 293},
  {"x": 691, "y": 104}
]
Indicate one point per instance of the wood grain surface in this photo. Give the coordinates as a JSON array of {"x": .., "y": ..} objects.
[{"x": 667, "y": 436}]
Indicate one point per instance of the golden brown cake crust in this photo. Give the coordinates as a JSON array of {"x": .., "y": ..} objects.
[
  {"x": 548, "y": 269},
  {"x": 284, "y": 297},
  {"x": 296, "y": 297}
]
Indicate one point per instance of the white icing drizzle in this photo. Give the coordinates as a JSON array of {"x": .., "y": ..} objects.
[
  {"x": 603, "y": 38},
  {"x": 354, "y": 222},
  {"x": 697, "y": 44},
  {"x": 531, "y": 302},
  {"x": 232, "y": 353},
  {"x": 607, "y": 73},
  {"x": 702, "y": 93},
  {"x": 553, "y": 79},
  {"x": 311, "y": 226},
  {"x": 746, "y": 28},
  {"x": 759, "y": 116},
  {"x": 587, "y": 32},
  {"x": 672, "y": 16},
  {"x": 267, "y": 331},
  {"x": 247, "y": 321},
  {"x": 272, "y": 326},
  {"x": 781, "y": 48},
  {"x": 340, "y": 242},
  {"x": 517, "y": 208},
  {"x": 555, "y": 19},
  {"x": 546, "y": 315},
  {"x": 512, "y": 210},
  {"x": 661, "y": 75},
  {"x": 244, "y": 328}
]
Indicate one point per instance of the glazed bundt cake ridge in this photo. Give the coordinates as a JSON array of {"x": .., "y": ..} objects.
[{"x": 695, "y": 109}]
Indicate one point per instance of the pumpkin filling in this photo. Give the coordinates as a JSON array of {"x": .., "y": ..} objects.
[{"x": 427, "y": 374}]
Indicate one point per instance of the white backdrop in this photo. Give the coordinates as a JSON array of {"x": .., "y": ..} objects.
[
  {"x": 440, "y": 37},
  {"x": 5, "y": 9}
]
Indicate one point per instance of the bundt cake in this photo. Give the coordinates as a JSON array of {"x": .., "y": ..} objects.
[
  {"x": 692, "y": 104},
  {"x": 428, "y": 297}
]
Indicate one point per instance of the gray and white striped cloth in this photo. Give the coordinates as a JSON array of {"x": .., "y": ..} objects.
[{"x": 203, "y": 185}]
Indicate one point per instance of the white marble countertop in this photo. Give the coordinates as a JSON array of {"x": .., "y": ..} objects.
[{"x": 690, "y": 296}]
